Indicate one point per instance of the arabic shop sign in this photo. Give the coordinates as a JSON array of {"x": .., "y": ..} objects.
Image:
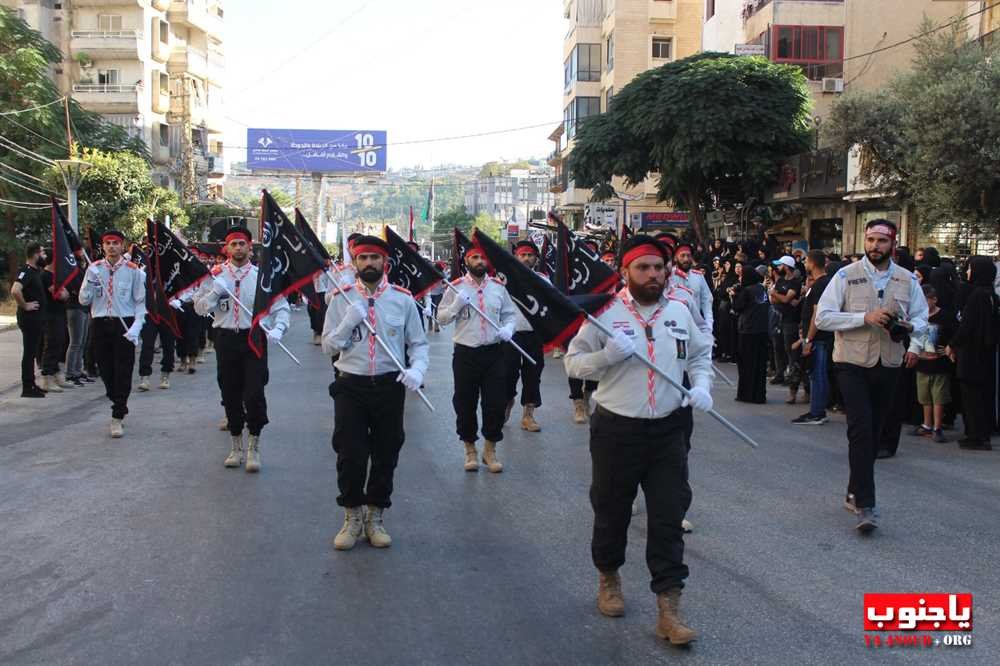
[{"x": 316, "y": 151}]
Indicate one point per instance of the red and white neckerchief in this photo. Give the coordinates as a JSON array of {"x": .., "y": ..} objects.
[
  {"x": 111, "y": 284},
  {"x": 237, "y": 274},
  {"x": 647, "y": 326},
  {"x": 481, "y": 301},
  {"x": 383, "y": 285}
]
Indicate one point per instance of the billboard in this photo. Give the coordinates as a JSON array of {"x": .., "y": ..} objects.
[
  {"x": 323, "y": 151},
  {"x": 659, "y": 221}
]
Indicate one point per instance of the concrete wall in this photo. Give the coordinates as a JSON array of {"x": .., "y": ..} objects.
[{"x": 725, "y": 29}]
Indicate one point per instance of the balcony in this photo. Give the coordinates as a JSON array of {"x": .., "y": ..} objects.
[
  {"x": 107, "y": 44},
  {"x": 216, "y": 67},
  {"x": 196, "y": 14},
  {"x": 662, "y": 11},
  {"x": 188, "y": 60},
  {"x": 161, "y": 101},
  {"x": 216, "y": 165},
  {"x": 161, "y": 5},
  {"x": 103, "y": 98},
  {"x": 555, "y": 159},
  {"x": 557, "y": 184},
  {"x": 104, "y": 3}
]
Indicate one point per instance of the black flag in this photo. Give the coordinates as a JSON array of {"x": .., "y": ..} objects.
[
  {"x": 579, "y": 270},
  {"x": 548, "y": 258},
  {"x": 287, "y": 262},
  {"x": 408, "y": 269},
  {"x": 93, "y": 249},
  {"x": 308, "y": 291},
  {"x": 460, "y": 244},
  {"x": 67, "y": 256},
  {"x": 157, "y": 302},
  {"x": 178, "y": 267},
  {"x": 553, "y": 315}
]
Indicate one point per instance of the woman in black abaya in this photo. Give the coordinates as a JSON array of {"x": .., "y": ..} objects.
[{"x": 750, "y": 303}]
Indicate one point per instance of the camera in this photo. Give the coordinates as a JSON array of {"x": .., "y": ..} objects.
[{"x": 898, "y": 330}]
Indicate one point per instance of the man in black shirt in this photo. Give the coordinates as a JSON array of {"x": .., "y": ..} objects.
[
  {"x": 817, "y": 345},
  {"x": 785, "y": 296},
  {"x": 30, "y": 297}
]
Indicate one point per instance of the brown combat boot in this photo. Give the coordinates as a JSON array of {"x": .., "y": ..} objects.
[
  {"x": 579, "y": 411},
  {"x": 610, "y": 601},
  {"x": 528, "y": 421},
  {"x": 471, "y": 464},
  {"x": 669, "y": 625},
  {"x": 490, "y": 457}
]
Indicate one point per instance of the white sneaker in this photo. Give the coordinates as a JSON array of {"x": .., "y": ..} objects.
[
  {"x": 143, "y": 384},
  {"x": 117, "y": 430}
]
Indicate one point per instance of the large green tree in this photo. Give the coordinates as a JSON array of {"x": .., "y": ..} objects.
[
  {"x": 705, "y": 125},
  {"x": 931, "y": 137}
]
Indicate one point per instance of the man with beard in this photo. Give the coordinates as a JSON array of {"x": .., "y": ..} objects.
[
  {"x": 518, "y": 366},
  {"x": 29, "y": 294},
  {"x": 115, "y": 290},
  {"x": 369, "y": 391},
  {"x": 642, "y": 442},
  {"x": 693, "y": 279},
  {"x": 871, "y": 306},
  {"x": 242, "y": 375},
  {"x": 478, "y": 361}
]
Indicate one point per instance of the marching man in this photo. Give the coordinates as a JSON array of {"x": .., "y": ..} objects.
[
  {"x": 242, "y": 375},
  {"x": 692, "y": 279},
  {"x": 642, "y": 442},
  {"x": 479, "y": 363},
  {"x": 370, "y": 390},
  {"x": 518, "y": 366},
  {"x": 115, "y": 290}
]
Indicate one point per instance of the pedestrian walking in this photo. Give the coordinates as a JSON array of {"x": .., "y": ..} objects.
[
  {"x": 642, "y": 442},
  {"x": 871, "y": 306},
  {"x": 369, "y": 391}
]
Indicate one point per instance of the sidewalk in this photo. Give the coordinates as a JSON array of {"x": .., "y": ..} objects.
[{"x": 10, "y": 356}]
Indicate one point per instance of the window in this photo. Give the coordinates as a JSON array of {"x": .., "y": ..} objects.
[
  {"x": 109, "y": 22},
  {"x": 818, "y": 50},
  {"x": 607, "y": 98},
  {"x": 164, "y": 32},
  {"x": 709, "y": 9},
  {"x": 661, "y": 48},
  {"x": 569, "y": 75},
  {"x": 578, "y": 109},
  {"x": 587, "y": 63},
  {"x": 109, "y": 77},
  {"x": 164, "y": 134},
  {"x": 164, "y": 83},
  {"x": 610, "y": 46}
]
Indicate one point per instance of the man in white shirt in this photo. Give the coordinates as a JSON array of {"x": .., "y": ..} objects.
[
  {"x": 478, "y": 362},
  {"x": 518, "y": 367},
  {"x": 638, "y": 429}
]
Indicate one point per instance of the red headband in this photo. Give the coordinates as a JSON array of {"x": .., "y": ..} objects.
[
  {"x": 104, "y": 237},
  {"x": 643, "y": 250},
  {"x": 368, "y": 249},
  {"x": 522, "y": 251},
  {"x": 473, "y": 252},
  {"x": 608, "y": 254},
  {"x": 683, "y": 246},
  {"x": 883, "y": 229},
  {"x": 237, "y": 234}
]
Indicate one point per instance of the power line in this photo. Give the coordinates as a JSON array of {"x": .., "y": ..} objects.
[
  {"x": 31, "y": 131},
  {"x": 17, "y": 148},
  {"x": 25, "y": 187},
  {"x": 25, "y": 205},
  {"x": 26, "y": 175},
  {"x": 34, "y": 108}
]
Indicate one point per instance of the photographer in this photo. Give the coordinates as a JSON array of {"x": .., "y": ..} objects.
[{"x": 871, "y": 306}]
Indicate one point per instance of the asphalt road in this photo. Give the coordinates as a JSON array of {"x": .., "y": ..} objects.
[{"x": 146, "y": 550}]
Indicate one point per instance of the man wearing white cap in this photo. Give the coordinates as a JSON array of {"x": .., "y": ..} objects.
[{"x": 784, "y": 297}]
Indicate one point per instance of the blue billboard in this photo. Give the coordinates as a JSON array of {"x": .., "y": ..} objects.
[{"x": 325, "y": 151}]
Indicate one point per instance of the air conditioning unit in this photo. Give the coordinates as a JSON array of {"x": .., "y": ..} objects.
[{"x": 833, "y": 85}]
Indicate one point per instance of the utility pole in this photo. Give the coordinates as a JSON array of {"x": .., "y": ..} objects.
[{"x": 72, "y": 171}]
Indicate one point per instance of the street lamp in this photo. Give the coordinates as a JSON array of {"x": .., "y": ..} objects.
[{"x": 72, "y": 172}]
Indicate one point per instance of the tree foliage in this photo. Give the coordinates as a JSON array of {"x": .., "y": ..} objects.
[
  {"x": 702, "y": 125},
  {"x": 931, "y": 137}
]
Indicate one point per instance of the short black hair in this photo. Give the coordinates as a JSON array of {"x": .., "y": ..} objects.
[
  {"x": 817, "y": 257},
  {"x": 31, "y": 249},
  {"x": 929, "y": 291}
]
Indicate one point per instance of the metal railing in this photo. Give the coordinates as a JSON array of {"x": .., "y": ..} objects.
[
  {"x": 108, "y": 34},
  {"x": 103, "y": 88}
]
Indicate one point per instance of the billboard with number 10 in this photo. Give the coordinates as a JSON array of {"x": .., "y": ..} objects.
[{"x": 324, "y": 151}]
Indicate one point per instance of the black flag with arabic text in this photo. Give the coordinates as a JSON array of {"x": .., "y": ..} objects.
[
  {"x": 548, "y": 258},
  {"x": 308, "y": 291},
  {"x": 286, "y": 263},
  {"x": 409, "y": 270},
  {"x": 579, "y": 269},
  {"x": 178, "y": 267},
  {"x": 460, "y": 244},
  {"x": 159, "y": 309},
  {"x": 67, "y": 254},
  {"x": 554, "y": 316}
]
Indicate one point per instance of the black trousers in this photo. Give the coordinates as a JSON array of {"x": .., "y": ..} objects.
[
  {"x": 867, "y": 396},
  {"x": 242, "y": 377},
  {"x": 115, "y": 361},
  {"x": 31, "y": 341},
  {"x": 191, "y": 325},
  {"x": 167, "y": 341},
  {"x": 368, "y": 427},
  {"x": 627, "y": 453},
  {"x": 520, "y": 367},
  {"x": 54, "y": 351},
  {"x": 317, "y": 316},
  {"x": 480, "y": 376},
  {"x": 578, "y": 386},
  {"x": 752, "y": 366}
]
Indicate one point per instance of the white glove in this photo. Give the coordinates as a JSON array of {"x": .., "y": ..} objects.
[
  {"x": 411, "y": 378},
  {"x": 275, "y": 334},
  {"x": 133, "y": 333},
  {"x": 356, "y": 313},
  {"x": 506, "y": 332},
  {"x": 700, "y": 399},
  {"x": 618, "y": 348},
  {"x": 461, "y": 300},
  {"x": 176, "y": 304},
  {"x": 428, "y": 311}
]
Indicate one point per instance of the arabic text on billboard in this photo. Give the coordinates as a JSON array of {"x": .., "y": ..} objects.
[{"x": 329, "y": 151}]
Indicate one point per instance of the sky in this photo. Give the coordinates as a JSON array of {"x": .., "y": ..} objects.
[{"x": 419, "y": 69}]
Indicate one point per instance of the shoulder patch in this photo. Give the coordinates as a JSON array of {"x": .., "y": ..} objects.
[
  {"x": 842, "y": 273},
  {"x": 457, "y": 280},
  {"x": 402, "y": 289},
  {"x": 216, "y": 270}
]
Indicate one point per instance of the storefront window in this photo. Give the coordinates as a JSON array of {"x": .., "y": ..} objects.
[{"x": 827, "y": 235}]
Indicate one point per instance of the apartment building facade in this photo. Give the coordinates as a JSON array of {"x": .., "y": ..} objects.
[
  {"x": 607, "y": 44},
  {"x": 514, "y": 197},
  {"x": 152, "y": 67}
]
